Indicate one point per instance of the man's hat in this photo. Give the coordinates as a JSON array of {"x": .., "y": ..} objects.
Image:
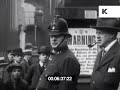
[
  {"x": 28, "y": 46},
  {"x": 35, "y": 51},
  {"x": 59, "y": 26},
  {"x": 17, "y": 51},
  {"x": 9, "y": 51},
  {"x": 108, "y": 24},
  {"x": 45, "y": 49},
  {"x": 13, "y": 66},
  {"x": 27, "y": 52}
]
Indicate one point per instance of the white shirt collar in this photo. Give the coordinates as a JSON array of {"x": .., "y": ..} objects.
[
  {"x": 110, "y": 45},
  {"x": 26, "y": 60},
  {"x": 41, "y": 64}
]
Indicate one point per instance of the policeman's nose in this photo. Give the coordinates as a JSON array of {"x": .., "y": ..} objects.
[
  {"x": 53, "y": 38},
  {"x": 16, "y": 72}
]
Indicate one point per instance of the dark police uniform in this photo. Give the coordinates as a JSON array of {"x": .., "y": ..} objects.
[{"x": 63, "y": 62}]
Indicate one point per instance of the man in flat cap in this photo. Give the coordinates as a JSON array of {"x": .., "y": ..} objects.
[
  {"x": 36, "y": 70},
  {"x": 106, "y": 72},
  {"x": 15, "y": 82},
  {"x": 35, "y": 55},
  {"x": 63, "y": 63}
]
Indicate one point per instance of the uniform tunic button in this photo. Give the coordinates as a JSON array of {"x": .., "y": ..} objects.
[
  {"x": 45, "y": 69},
  {"x": 93, "y": 82},
  {"x": 46, "y": 75},
  {"x": 40, "y": 79}
]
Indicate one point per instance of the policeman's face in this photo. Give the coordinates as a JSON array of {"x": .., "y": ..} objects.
[
  {"x": 55, "y": 40},
  {"x": 18, "y": 58},
  {"x": 103, "y": 38},
  {"x": 16, "y": 73},
  {"x": 44, "y": 57}
]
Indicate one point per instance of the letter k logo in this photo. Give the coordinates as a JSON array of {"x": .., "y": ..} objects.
[{"x": 104, "y": 11}]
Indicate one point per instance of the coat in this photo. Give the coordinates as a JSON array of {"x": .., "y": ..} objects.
[
  {"x": 106, "y": 73},
  {"x": 63, "y": 63},
  {"x": 25, "y": 65},
  {"x": 20, "y": 85},
  {"x": 33, "y": 75}
]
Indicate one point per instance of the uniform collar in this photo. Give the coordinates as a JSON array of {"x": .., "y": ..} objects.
[{"x": 59, "y": 50}]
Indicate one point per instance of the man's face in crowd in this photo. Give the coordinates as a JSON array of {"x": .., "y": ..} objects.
[
  {"x": 10, "y": 57},
  {"x": 28, "y": 57},
  {"x": 103, "y": 38},
  {"x": 16, "y": 73},
  {"x": 18, "y": 58},
  {"x": 55, "y": 40},
  {"x": 44, "y": 57}
]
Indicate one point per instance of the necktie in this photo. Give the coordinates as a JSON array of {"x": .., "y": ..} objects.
[
  {"x": 103, "y": 52},
  {"x": 43, "y": 67}
]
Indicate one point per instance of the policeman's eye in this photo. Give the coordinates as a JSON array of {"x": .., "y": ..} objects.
[
  {"x": 56, "y": 36},
  {"x": 100, "y": 33}
]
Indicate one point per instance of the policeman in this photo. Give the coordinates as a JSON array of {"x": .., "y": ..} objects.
[{"x": 63, "y": 63}]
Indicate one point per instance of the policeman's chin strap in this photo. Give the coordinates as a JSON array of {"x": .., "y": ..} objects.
[{"x": 58, "y": 48}]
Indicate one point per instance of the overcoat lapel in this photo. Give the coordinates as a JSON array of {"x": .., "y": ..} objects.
[
  {"x": 38, "y": 68},
  {"x": 109, "y": 55},
  {"x": 98, "y": 60}
]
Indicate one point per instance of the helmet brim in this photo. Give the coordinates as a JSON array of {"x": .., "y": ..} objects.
[{"x": 60, "y": 33}]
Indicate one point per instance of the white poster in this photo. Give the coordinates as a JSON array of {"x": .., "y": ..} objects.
[{"x": 81, "y": 38}]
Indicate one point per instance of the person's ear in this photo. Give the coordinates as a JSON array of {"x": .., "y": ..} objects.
[{"x": 113, "y": 35}]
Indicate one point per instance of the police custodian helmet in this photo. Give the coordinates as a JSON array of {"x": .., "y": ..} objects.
[{"x": 59, "y": 26}]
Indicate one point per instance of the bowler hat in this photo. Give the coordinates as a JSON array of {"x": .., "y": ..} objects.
[
  {"x": 59, "y": 26},
  {"x": 17, "y": 51},
  {"x": 108, "y": 24},
  {"x": 13, "y": 66},
  {"x": 45, "y": 49},
  {"x": 9, "y": 51}
]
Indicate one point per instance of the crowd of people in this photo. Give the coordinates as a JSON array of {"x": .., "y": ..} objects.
[
  {"x": 25, "y": 71},
  {"x": 57, "y": 68}
]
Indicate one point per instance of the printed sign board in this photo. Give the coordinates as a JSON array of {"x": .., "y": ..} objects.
[
  {"x": 78, "y": 44},
  {"x": 81, "y": 38}
]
